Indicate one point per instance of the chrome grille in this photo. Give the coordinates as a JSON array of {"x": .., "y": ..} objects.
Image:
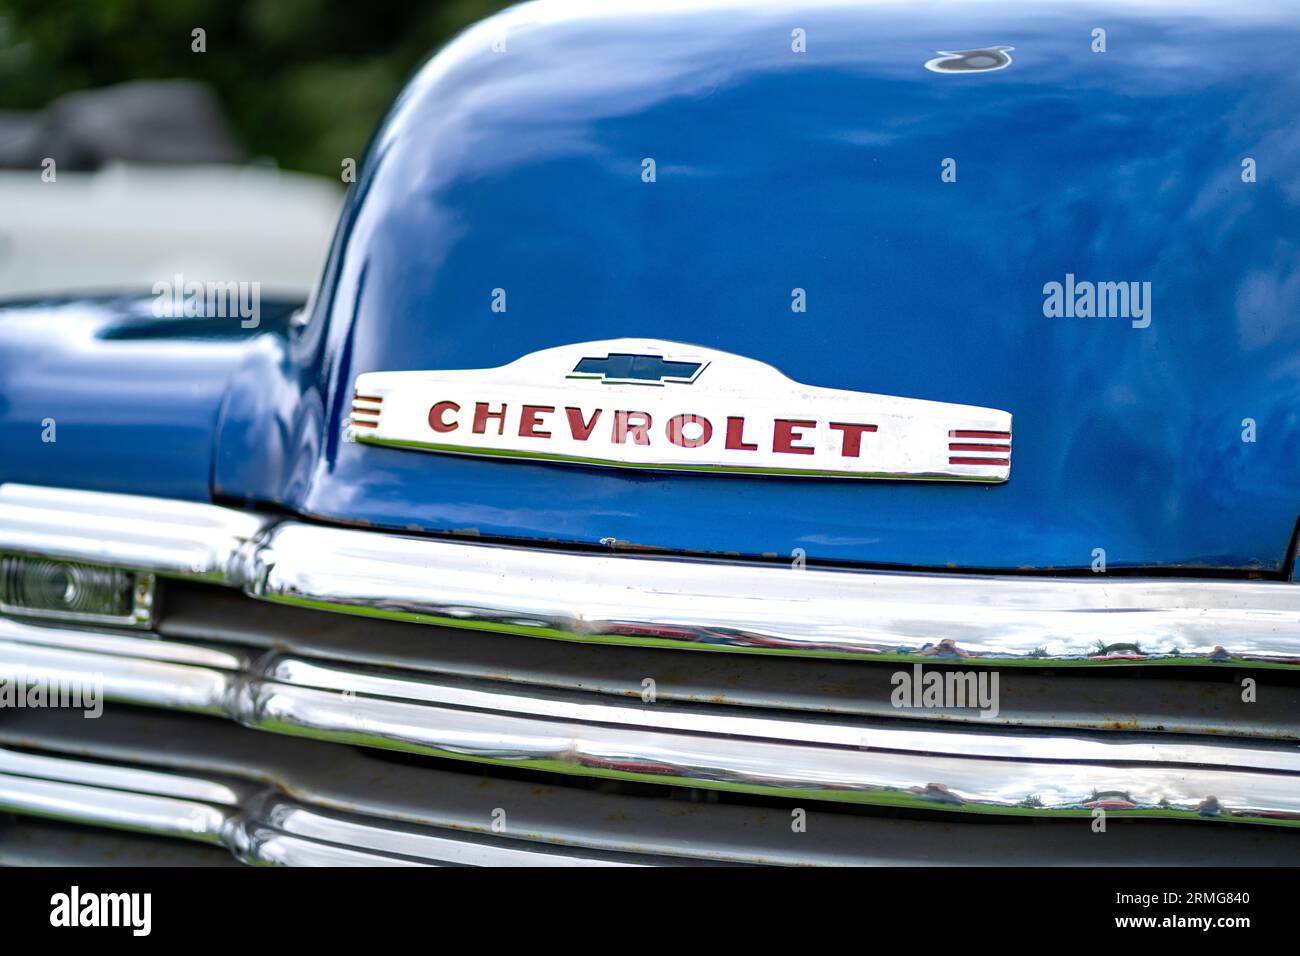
[
  {"x": 314, "y": 702},
  {"x": 287, "y": 791}
]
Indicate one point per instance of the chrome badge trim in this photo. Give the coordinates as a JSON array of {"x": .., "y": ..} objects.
[{"x": 649, "y": 404}]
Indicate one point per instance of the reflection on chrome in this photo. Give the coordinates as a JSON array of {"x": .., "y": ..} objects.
[
  {"x": 884, "y": 616},
  {"x": 1036, "y": 773},
  {"x": 258, "y": 826}
]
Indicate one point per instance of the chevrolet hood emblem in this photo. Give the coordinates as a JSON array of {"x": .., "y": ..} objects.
[{"x": 648, "y": 404}]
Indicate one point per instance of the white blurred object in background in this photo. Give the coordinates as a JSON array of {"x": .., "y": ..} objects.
[
  {"x": 127, "y": 227},
  {"x": 148, "y": 182}
]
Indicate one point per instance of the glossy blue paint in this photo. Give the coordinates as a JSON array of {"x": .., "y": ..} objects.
[
  {"x": 99, "y": 394},
  {"x": 775, "y": 170}
]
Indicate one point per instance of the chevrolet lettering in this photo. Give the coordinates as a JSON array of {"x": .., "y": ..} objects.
[{"x": 664, "y": 405}]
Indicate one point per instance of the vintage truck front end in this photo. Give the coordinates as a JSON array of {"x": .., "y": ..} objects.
[{"x": 638, "y": 485}]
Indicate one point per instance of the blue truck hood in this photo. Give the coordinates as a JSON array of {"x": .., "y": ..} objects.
[{"x": 514, "y": 161}]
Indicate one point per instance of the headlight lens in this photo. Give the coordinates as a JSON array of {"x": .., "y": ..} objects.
[{"x": 71, "y": 591}]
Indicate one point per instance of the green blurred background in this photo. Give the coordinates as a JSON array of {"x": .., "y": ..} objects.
[{"x": 304, "y": 82}]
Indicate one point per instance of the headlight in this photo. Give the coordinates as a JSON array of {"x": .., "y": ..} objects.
[{"x": 71, "y": 591}]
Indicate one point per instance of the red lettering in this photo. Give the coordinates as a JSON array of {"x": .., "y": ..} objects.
[
  {"x": 529, "y": 421},
  {"x": 676, "y": 435},
  {"x": 787, "y": 433},
  {"x": 438, "y": 417},
  {"x": 481, "y": 416},
  {"x": 581, "y": 430},
  {"x": 623, "y": 427},
  {"x": 736, "y": 435},
  {"x": 852, "y": 445}
]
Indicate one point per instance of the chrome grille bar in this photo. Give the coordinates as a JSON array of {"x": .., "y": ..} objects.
[
  {"x": 883, "y": 616},
  {"x": 177, "y": 538},
  {"x": 458, "y": 801},
  {"x": 856, "y": 761},
  {"x": 258, "y": 828}
]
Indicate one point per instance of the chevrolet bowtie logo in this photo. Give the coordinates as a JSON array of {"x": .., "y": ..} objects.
[{"x": 623, "y": 367}]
